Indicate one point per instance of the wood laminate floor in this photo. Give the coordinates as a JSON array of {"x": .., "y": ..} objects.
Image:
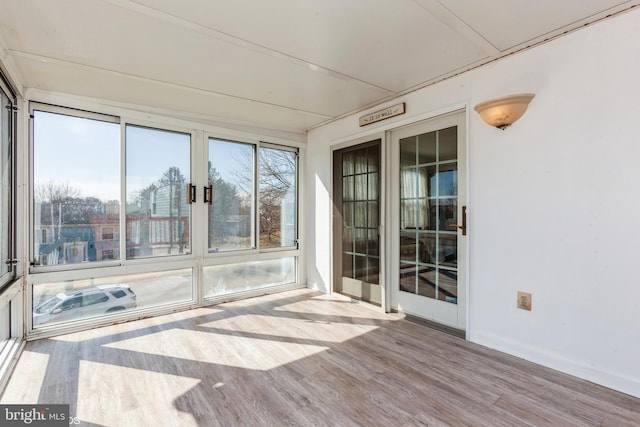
[{"x": 304, "y": 359}]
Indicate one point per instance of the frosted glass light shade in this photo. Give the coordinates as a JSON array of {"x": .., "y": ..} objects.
[{"x": 503, "y": 112}]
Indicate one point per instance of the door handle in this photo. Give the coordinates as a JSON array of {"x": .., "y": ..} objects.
[
  {"x": 208, "y": 194},
  {"x": 462, "y": 227},
  {"x": 192, "y": 194}
]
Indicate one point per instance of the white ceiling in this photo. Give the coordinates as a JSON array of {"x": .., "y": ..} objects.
[{"x": 286, "y": 65}]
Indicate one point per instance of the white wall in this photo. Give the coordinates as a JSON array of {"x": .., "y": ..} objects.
[{"x": 554, "y": 201}]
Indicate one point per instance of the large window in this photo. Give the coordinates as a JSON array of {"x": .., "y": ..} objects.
[
  {"x": 76, "y": 187},
  {"x": 232, "y": 181},
  {"x": 158, "y": 177},
  {"x": 138, "y": 202},
  {"x": 11, "y": 296},
  {"x": 238, "y": 179}
]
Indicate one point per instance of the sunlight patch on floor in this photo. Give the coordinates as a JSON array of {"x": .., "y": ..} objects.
[
  {"x": 33, "y": 368},
  {"x": 285, "y": 327},
  {"x": 335, "y": 305},
  {"x": 137, "y": 325},
  {"x": 221, "y": 349},
  {"x": 144, "y": 398}
]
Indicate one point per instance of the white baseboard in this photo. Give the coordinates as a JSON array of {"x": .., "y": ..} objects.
[{"x": 558, "y": 362}]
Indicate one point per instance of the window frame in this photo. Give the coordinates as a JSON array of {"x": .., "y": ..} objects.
[
  {"x": 254, "y": 201},
  {"x": 124, "y": 257},
  {"x": 109, "y": 235},
  {"x": 12, "y": 297},
  {"x": 11, "y": 273},
  {"x": 11, "y": 291},
  {"x": 257, "y": 250},
  {"x": 70, "y": 112}
]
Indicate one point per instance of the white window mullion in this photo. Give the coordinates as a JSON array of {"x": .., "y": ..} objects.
[
  {"x": 199, "y": 222},
  {"x": 255, "y": 220},
  {"x": 123, "y": 194}
]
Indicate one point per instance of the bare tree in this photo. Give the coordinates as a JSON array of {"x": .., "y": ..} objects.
[
  {"x": 277, "y": 179},
  {"x": 277, "y": 169},
  {"x": 53, "y": 192}
]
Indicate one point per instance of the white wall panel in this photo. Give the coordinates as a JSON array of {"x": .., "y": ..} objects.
[{"x": 553, "y": 201}]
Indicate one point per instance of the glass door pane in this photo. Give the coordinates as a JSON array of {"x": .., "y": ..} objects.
[
  {"x": 428, "y": 212},
  {"x": 357, "y": 221},
  {"x": 157, "y": 181}
]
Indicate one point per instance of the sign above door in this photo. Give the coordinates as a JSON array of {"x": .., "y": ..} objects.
[{"x": 387, "y": 113}]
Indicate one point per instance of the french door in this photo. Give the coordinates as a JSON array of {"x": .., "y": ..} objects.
[
  {"x": 356, "y": 222},
  {"x": 428, "y": 221}
]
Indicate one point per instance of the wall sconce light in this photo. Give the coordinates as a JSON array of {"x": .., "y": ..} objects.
[{"x": 503, "y": 112}]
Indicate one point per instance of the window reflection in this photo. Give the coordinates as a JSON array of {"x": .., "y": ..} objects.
[{"x": 72, "y": 300}]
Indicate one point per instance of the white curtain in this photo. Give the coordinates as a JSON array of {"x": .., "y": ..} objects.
[{"x": 414, "y": 209}]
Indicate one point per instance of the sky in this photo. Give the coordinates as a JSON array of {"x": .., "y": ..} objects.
[
  {"x": 231, "y": 160},
  {"x": 150, "y": 152},
  {"x": 85, "y": 154},
  {"x": 80, "y": 152}
]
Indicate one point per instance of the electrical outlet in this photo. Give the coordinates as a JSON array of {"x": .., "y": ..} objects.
[{"x": 524, "y": 301}]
